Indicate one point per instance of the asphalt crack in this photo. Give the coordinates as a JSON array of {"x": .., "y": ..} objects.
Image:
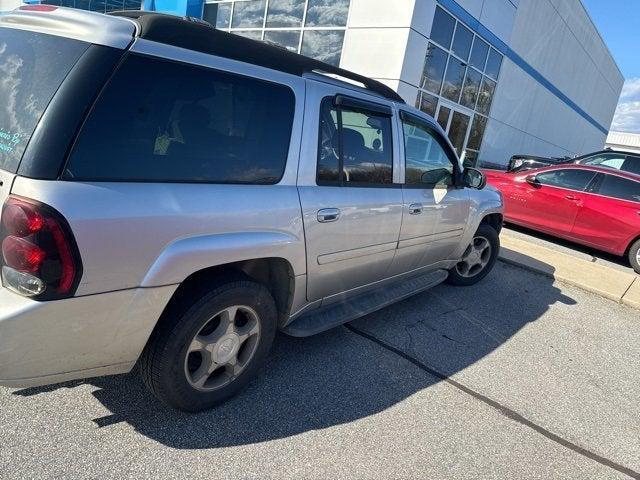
[{"x": 503, "y": 410}]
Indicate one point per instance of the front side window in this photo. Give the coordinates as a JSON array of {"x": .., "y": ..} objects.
[
  {"x": 621, "y": 188},
  {"x": 572, "y": 179},
  {"x": 426, "y": 160},
  {"x": 190, "y": 124},
  {"x": 355, "y": 147}
]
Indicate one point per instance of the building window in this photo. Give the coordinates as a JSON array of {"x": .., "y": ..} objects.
[
  {"x": 458, "y": 82},
  {"x": 324, "y": 45},
  {"x": 314, "y": 28},
  {"x": 102, "y": 6},
  {"x": 285, "y": 13},
  {"x": 442, "y": 28},
  {"x": 289, "y": 39}
]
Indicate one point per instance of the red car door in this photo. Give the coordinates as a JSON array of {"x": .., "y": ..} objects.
[
  {"x": 550, "y": 202},
  {"x": 610, "y": 217}
]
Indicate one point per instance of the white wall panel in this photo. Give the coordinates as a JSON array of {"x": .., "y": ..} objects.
[
  {"x": 381, "y": 13},
  {"x": 375, "y": 52},
  {"x": 498, "y": 16}
]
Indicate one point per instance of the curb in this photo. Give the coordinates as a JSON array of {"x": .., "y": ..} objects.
[{"x": 621, "y": 287}]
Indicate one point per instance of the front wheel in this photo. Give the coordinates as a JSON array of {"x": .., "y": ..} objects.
[
  {"x": 478, "y": 259},
  {"x": 634, "y": 256},
  {"x": 209, "y": 350}
]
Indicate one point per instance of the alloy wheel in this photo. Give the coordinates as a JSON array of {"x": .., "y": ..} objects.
[
  {"x": 222, "y": 348},
  {"x": 476, "y": 257}
]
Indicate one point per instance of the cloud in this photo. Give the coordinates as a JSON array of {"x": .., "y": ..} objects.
[{"x": 627, "y": 117}]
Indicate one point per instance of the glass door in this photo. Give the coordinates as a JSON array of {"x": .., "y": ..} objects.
[{"x": 456, "y": 123}]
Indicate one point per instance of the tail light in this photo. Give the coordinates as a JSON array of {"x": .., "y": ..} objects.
[{"x": 40, "y": 258}]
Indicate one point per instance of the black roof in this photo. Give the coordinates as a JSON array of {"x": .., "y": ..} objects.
[{"x": 200, "y": 36}]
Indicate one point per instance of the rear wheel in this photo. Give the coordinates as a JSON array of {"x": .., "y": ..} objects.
[
  {"x": 634, "y": 256},
  {"x": 210, "y": 350},
  {"x": 478, "y": 259}
]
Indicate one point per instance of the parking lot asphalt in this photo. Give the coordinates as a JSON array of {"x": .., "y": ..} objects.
[{"x": 517, "y": 377}]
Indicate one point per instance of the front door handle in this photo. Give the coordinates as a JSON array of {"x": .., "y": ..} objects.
[
  {"x": 415, "y": 209},
  {"x": 328, "y": 215}
]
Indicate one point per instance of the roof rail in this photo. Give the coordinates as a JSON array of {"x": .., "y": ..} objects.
[{"x": 198, "y": 35}]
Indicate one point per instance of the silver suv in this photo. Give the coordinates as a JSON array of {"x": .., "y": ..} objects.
[{"x": 174, "y": 195}]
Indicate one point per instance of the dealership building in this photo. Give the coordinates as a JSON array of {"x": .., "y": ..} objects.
[{"x": 502, "y": 77}]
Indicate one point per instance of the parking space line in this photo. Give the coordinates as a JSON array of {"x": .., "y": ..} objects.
[{"x": 503, "y": 410}]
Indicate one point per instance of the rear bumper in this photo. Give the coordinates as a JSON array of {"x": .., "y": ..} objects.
[{"x": 50, "y": 342}]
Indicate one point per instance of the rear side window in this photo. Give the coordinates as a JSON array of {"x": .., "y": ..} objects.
[
  {"x": 188, "y": 124},
  {"x": 572, "y": 179},
  {"x": 32, "y": 67},
  {"x": 355, "y": 147},
  {"x": 621, "y": 188}
]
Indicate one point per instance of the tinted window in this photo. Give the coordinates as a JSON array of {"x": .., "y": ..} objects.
[
  {"x": 32, "y": 67},
  {"x": 355, "y": 147},
  {"x": 425, "y": 159},
  {"x": 285, "y": 13},
  {"x": 572, "y": 179},
  {"x": 621, "y": 188},
  {"x": 462, "y": 42},
  {"x": 189, "y": 124},
  {"x": 434, "y": 67},
  {"x": 327, "y": 13},
  {"x": 632, "y": 164},
  {"x": 324, "y": 45},
  {"x": 442, "y": 29}
]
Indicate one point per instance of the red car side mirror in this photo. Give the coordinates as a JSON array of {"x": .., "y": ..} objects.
[{"x": 533, "y": 181}]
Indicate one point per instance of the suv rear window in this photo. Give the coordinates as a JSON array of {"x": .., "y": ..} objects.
[
  {"x": 32, "y": 67},
  {"x": 185, "y": 124}
]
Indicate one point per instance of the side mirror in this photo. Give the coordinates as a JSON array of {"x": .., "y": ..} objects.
[
  {"x": 439, "y": 176},
  {"x": 474, "y": 178},
  {"x": 532, "y": 180}
]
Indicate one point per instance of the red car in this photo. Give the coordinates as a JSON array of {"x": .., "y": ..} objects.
[{"x": 595, "y": 206}]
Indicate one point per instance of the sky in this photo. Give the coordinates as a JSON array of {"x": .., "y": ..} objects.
[{"x": 619, "y": 24}]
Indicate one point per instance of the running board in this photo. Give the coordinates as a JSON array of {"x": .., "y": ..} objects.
[{"x": 337, "y": 314}]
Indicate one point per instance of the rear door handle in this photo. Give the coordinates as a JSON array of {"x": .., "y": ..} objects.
[
  {"x": 415, "y": 209},
  {"x": 328, "y": 215},
  {"x": 571, "y": 197}
]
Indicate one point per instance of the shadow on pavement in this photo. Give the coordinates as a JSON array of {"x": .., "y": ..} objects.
[{"x": 339, "y": 377}]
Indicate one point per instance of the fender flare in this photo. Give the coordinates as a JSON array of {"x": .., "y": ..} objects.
[{"x": 185, "y": 256}]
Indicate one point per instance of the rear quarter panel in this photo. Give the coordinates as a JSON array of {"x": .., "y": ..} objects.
[{"x": 135, "y": 234}]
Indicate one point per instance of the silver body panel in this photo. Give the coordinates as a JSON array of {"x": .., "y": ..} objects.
[
  {"x": 139, "y": 241},
  {"x": 91, "y": 27}
]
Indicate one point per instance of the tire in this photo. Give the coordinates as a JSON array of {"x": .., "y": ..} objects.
[
  {"x": 634, "y": 256},
  {"x": 177, "y": 357},
  {"x": 486, "y": 235}
]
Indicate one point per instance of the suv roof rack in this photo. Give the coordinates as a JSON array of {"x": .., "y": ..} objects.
[{"x": 198, "y": 35}]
